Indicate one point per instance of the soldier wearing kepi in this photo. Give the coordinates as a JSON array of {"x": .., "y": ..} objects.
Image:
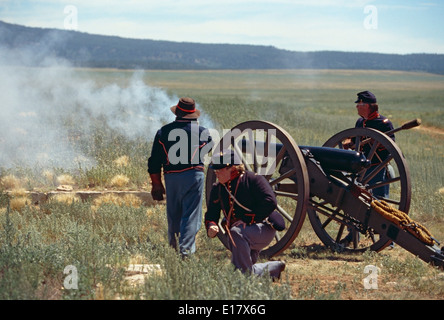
[
  {"x": 368, "y": 109},
  {"x": 250, "y": 220},
  {"x": 183, "y": 170}
]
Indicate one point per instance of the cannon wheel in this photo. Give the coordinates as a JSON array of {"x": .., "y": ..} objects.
[
  {"x": 333, "y": 231},
  {"x": 267, "y": 162}
]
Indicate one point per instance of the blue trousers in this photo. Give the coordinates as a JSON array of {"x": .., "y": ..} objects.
[
  {"x": 250, "y": 240},
  {"x": 381, "y": 192},
  {"x": 184, "y": 195}
]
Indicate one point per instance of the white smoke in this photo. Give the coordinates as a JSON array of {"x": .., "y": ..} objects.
[{"x": 37, "y": 102}]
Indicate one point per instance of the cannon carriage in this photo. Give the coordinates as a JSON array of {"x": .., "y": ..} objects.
[{"x": 335, "y": 186}]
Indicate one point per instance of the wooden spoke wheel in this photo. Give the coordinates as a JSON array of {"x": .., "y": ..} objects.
[
  {"x": 388, "y": 169},
  {"x": 267, "y": 149}
]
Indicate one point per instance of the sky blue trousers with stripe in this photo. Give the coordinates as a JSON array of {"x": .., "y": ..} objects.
[
  {"x": 250, "y": 240},
  {"x": 184, "y": 195}
]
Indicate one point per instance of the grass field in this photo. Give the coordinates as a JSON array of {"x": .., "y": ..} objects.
[{"x": 101, "y": 238}]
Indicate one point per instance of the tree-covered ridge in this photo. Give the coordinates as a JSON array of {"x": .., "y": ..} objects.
[{"x": 88, "y": 50}]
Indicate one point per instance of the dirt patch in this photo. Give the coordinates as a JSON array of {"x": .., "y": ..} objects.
[
  {"x": 431, "y": 130},
  {"x": 394, "y": 274}
]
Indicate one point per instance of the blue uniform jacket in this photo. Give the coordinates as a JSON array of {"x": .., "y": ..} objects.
[
  {"x": 178, "y": 147},
  {"x": 380, "y": 123},
  {"x": 253, "y": 192}
]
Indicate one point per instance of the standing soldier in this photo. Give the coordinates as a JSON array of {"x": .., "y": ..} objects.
[
  {"x": 178, "y": 149},
  {"x": 368, "y": 110},
  {"x": 248, "y": 204}
]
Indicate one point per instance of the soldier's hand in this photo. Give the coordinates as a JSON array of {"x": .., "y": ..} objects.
[
  {"x": 157, "y": 192},
  {"x": 213, "y": 231},
  {"x": 347, "y": 143}
]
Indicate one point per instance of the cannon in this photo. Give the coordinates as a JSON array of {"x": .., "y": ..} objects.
[{"x": 334, "y": 185}]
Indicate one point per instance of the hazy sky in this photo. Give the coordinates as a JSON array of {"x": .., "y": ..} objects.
[{"x": 374, "y": 26}]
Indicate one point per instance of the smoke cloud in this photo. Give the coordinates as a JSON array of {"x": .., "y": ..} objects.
[{"x": 42, "y": 106}]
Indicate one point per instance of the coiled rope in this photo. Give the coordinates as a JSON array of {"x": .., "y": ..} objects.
[{"x": 403, "y": 221}]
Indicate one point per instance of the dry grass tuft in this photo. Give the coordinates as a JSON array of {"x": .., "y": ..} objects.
[
  {"x": 17, "y": 204},
  {"x": 107, "y": 199},
  {"x": 18, "y": 197},
  {"x": 122, "y": 161},
  {"x": 131, "y": 200},
  {"x": 18, "y": 192},
  {"x": 119, "y": 180},
  {"x": 9, "y": 182},
  {"x": 66, "y": 198}
]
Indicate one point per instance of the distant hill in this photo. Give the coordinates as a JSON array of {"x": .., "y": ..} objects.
[{"x": 88, "y": 50}]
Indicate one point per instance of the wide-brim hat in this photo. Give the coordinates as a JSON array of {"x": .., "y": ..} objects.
[
  {"x": 366, "y": 97},
  {"x": 186, "y": 108},
  {"x": 223, "y": 159}
]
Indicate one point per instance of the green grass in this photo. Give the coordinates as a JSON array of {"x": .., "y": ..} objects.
[{"x": 38, "y": 242}]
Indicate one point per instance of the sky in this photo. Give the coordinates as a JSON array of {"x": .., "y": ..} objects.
[{"x": 391, "y": 26}]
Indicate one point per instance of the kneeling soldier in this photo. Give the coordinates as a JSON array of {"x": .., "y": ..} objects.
[{"x": 248, "y": 204}]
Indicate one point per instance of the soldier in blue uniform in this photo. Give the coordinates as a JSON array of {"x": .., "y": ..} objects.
[
  {"x": 248, "y": 204},
  {"x": 178, "y": 149},
  {"x": 368, "y": 109}
]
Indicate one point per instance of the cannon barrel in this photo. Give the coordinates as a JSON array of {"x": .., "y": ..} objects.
[
  {"x": 338, "y": 159},
  {"x": 329, "y": 158}
]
